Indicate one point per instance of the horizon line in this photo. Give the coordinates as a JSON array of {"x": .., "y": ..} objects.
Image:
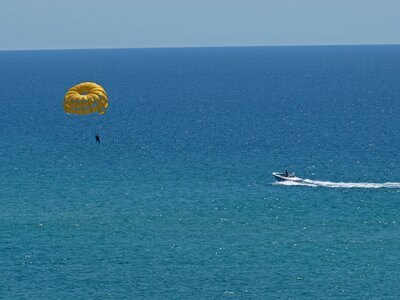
[{"x": 194, "y": 47}]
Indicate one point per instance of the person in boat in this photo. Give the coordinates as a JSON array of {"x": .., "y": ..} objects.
[
  {"x": 286, "y": 173},
  {"x": 97, "y": 138}
]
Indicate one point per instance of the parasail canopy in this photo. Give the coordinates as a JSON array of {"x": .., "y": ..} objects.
[{"x": 86, "y": 98}]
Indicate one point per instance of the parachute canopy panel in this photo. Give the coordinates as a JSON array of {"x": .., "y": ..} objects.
[{"x": 86, "y": 98}]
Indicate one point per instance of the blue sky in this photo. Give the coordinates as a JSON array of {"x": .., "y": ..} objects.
[{"x": 66, "y": 24}]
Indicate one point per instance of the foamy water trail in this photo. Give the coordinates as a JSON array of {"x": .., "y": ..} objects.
[{"x": 347, "y": 185}]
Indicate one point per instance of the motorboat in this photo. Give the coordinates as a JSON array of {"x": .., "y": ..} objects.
[{"x": 287, "y": 176}]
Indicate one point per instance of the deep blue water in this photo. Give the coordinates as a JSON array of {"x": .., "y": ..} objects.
[{"x": 178, "y": 201}]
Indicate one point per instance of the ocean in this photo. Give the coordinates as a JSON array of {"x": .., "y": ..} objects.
[{"x": 178, "y": 200}]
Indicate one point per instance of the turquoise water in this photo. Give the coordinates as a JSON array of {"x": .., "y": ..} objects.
[{"x": 178, "y": 200}]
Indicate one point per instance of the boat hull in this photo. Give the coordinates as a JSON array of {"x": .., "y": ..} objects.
[{"x": 283, "y": 177}]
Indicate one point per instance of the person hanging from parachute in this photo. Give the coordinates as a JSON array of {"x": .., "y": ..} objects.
[
  {"x": 97, "y": 138},
  {"x": 86, "y": 98}
]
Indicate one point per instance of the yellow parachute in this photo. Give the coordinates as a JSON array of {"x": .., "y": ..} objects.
[{"x": 86, "y": 98}]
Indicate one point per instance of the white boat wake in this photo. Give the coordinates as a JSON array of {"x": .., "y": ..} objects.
[{"x": 329, "y": 184}]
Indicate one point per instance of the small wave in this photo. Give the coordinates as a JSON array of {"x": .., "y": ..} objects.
[{"x": 347, "y": 185}]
